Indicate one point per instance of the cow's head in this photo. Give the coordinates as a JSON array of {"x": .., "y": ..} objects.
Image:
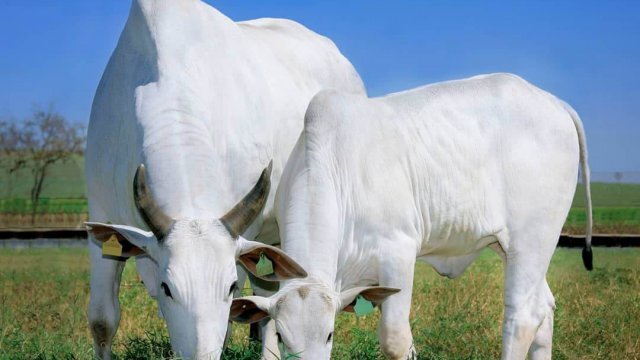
[
  {"x": 304, "y": 315},
  {"x": 196, "y": 261}
]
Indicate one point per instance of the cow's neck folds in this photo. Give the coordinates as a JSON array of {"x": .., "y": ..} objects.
[{"x": 313, "y": 235}]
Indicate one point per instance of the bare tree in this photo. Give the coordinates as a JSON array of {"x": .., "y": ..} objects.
[
  {"x": 37, "y": 143},
  {"x": 4, "y": 133},
  {"x": 618, "y": 176},
  {"x": 8, "y": 142}
]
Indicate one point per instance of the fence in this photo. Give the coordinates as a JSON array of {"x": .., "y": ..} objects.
[
  {"x": 616, "y": 200},
  {"x": 621, "y": 177},
  {"x": 64, "y": 180},
  {"x": 62, "y": 203},
  {"x": 45, "y": 206}
]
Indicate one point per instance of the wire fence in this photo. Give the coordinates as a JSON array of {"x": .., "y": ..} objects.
[
  {"x": 64, "y": 180},
  {"x": 44, "y": 206},
  {"x": 63, "y": 204},
  {"x": 615, "y": 177}
]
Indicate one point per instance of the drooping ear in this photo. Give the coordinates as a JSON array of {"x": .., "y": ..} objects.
[
  {"x": 249, "y": 252},
  {"x": 134, "y": 241},
  {"x": 376, "y": 294},
  {"x": 249, "y": 309}
]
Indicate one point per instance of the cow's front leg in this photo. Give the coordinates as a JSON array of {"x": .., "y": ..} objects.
[
  {"x": 394, "y": 330},
  {"x": 265, "y": 330},
  {"x": 242, "y": 278},
  {"x": 270, "y": 349},
  {"x": 104, "y": 306}
]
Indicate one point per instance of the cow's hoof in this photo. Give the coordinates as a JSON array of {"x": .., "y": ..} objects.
[{"x": 413, "y": 354}]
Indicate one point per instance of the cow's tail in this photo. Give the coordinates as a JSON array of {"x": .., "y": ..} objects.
[{"x": 587, "y": 255}]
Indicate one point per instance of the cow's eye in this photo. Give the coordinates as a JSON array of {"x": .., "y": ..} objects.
[
  {"x": 233, "y": 288},
  {"x": 167, "y": 292},
  {"x": 330, "y": 337}
]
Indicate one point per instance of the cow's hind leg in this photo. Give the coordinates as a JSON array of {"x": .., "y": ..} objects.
[
  {"x": 104, "y": 306},
  {"x": 541, "y": 346},
  {"x": 529, "y": 304},
  {"x": 394, "y": 329}
]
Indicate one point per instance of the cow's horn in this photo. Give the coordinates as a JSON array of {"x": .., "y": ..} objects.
[
  {"x": 159, "y": 222},
  {"x": 238, "y": 219}
]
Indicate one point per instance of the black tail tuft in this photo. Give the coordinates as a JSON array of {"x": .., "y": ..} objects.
[{"x": 587, "y": 257}]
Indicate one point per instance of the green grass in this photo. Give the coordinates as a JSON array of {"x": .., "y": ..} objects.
[
  {"x": 605, "y": 216},
  {"x": 606, "y": 220},
  {"x": 616, "y": 209},
  {"x": 45, "y": 206},
  {"x": 616, "y": 205},
  {"x": 618, "y": 195},
  {"x": 63, "y": 190},
  {"x": 66, "y": 180},
  {"x": 44, "y": 294}
]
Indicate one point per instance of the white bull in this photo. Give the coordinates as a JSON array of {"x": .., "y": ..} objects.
[
  {"x": 204, "y": 103},
  {"x": 436, "y": 174}
]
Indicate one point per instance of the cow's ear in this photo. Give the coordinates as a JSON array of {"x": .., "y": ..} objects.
[
  {"x": 249, "y": 309},
  {"x": 134, "y": 241},
  {"x": 267, "y": 262},
  {"x": 375, "y": 294}
]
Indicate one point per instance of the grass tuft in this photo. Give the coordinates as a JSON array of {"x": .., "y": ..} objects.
[
  {"x": 154, "y": 344},
  {"x": 44, "y": 298}
]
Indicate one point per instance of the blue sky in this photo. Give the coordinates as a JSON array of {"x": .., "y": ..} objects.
[{"x": 586, "y": 52}]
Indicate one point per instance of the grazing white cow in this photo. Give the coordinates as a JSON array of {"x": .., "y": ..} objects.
[
  {"x": 436, "y": 174},
  {"x": 204, "y": 103}
]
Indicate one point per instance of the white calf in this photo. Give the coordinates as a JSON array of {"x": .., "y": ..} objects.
[{"x": 435, "y": 174}]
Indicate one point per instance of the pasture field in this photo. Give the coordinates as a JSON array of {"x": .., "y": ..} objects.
[
  {"x": 45, "y": 206},
  {"x": 616, "y": 205},
  {"x": 44, "y": 294},
  {"x": 606, "y": 220},
  {"x": 604, "y": 195},
  {"x": 65, "y": 180}
]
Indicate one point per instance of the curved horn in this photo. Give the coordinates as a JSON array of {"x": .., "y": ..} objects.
[
  {"x": 238, "y": 219},
  {"x": 159, "y": 222}
]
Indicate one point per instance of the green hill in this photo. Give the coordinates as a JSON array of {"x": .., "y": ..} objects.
[
  {"x": 609, "y": 195},
  {"x": 66, "y": 180},
  {"x": 616, "y": 205}
]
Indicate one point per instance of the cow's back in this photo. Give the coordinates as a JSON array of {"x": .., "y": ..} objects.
[
  {"x": 113, "y": 146},
  {"x": 449, "y": 163},
  {"x": 252, "y": 84}
]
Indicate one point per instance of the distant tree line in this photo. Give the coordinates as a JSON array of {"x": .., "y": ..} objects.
[{"x": 38, "y": 142}]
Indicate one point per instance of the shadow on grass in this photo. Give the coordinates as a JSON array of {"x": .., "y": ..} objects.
[
  {"x": 363, "y": 345},
  {"x": 153, "y": 345},
  {"x": 156, "y": 345}
]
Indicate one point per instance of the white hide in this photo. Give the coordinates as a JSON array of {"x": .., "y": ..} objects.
[
  {"x": 205, "y": 104},
  {"x": 437, "y": 174}
]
